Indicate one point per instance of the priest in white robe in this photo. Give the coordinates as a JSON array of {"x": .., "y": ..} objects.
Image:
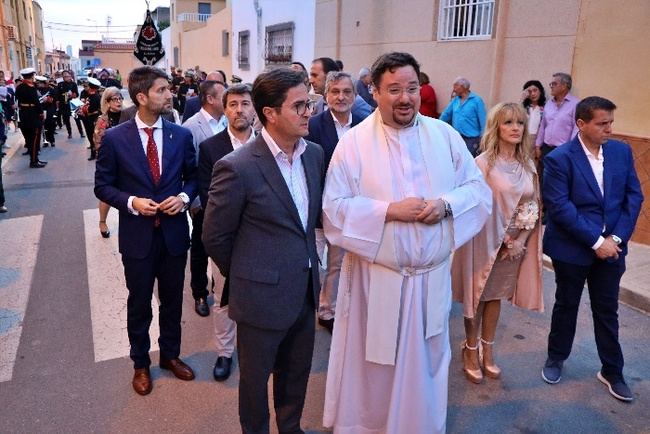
[{"x": 402, "y": 192}]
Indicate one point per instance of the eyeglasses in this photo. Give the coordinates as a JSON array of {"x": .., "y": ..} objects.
[
  {"x": 398, "y": 91},
  {"x": 301, "y": 107},
  {"x": 116, "y": 99},
  {"x": 554, "y": 83}
]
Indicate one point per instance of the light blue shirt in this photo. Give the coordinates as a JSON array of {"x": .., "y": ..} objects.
[{"x": 468, "y": 117}]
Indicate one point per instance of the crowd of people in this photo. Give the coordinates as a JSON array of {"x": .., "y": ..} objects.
[{"x": 307, "y": 171}]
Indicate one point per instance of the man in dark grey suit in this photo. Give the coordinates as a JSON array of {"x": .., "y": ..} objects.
[{"x": 263, "y": 207}]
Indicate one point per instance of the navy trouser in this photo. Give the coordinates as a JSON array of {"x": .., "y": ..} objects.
[
  {"x": 603, "y": 279},
  {"x": 140, "y": 274}
]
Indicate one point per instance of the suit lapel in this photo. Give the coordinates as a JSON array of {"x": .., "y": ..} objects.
[
  {"x": 584, "y": 167},
  {"x": 167, "y": 148},
  {"x": 608, "y": 169},
  {"x": 311, "y": 174},
  {"x": 138, "y": 150},
  {"x": 329, "y": 130},
  {"x": 271, "y": 172}
]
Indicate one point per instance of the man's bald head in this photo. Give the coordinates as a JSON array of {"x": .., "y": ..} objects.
[{"x": 216, "y": 76}]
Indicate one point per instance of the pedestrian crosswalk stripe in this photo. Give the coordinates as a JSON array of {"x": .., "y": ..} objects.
[
  {"x": 19, "y": 246},
  {"x": 107, "y": 290}
]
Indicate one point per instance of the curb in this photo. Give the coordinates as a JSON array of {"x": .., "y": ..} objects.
[{"x": 626, "y": 296}]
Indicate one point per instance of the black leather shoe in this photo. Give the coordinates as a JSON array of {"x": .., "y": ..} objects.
[
  {"x": 327, "y": 324},
  {"x": 43, "y": 162},
  {"x": 82, "y": 136},
  {"x": 221, "y": 370},
  {"x": 69, "y": 136},
  {"x": 201, "y": 307},
  {"x": 91, "y": 158},
  {"x": 46, "y": 144},
  {"x": 26, "y": 152},
  {"x": 36, "y": 165}
]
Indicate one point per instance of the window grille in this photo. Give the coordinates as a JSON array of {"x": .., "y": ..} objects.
[
  {"x": 279, "y": 44},
  {"x": 465, "y": 19},
  {"x": 244, "y": 49}
]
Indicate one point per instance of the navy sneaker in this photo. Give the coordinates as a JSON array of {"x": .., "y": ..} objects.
[
  {"x": 617, "y": 388},
  {"x": 552, "y": 371}
]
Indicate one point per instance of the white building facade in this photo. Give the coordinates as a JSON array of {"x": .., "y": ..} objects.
[{"x": 268, "y": 33}]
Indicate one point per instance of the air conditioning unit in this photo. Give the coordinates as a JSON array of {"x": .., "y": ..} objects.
[{"x": 12, "y": 34}]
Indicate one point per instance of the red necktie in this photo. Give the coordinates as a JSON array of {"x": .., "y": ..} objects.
[
  {"x": 154, "y": 164},
  {"x": 152, "y": 156}
]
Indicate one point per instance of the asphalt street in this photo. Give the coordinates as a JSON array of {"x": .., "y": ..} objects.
[{"x": 58, "y": 379}]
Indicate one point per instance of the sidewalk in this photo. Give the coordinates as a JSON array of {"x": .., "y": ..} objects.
[
  {"x": 15, "y": 142},
  {"x": 635, "y": 284}
]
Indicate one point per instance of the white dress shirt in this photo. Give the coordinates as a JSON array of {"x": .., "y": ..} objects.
[
  {"x": 293, "y": 174},
  {"x": 158, "y": 138},
  {"x": 597, "y": 163},
  {"x": 342, "y": 128},
  {"x": 236, "y": 143}
]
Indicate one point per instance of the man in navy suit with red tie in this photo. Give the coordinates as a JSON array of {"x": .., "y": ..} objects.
[
  {"x": 146, "y": 168},
  {"x": 593, "y": 198}
]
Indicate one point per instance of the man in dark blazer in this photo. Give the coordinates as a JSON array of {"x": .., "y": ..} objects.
[
  {"x": 147, "y": 170},
  {"x": 263, "y": 207},
  {"x": 326, "y": 129},
  {"x": 593, "y": 198},
  {"x": 239, "y": 111}
]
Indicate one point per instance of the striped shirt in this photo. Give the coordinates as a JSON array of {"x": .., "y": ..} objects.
[{"x": 293, "y": 174}]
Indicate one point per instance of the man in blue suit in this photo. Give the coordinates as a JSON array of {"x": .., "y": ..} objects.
[
  {"x": 593, "y": 197},
  {"x": 147, "y": 170},
  {"x": 326, "y": 129}
]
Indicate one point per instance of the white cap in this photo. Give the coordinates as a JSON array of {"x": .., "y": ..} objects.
[
  {"x": 94, "y": 82},
  {"x": 40, "y": 78},
  {"x": 27, "y": 71}
]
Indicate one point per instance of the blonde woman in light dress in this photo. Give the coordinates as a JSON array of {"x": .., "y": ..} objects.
[{"x": 504, "y": 260}]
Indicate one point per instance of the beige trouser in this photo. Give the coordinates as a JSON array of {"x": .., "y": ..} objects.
[
  {"x": 329, "y": 290},
  {"x": 225, "y": 329}
]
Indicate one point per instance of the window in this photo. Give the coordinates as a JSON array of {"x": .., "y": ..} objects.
[
  {"x": 225, "y": 42},
  {"x": 465, "y": 19},
  {"x": 244, "y": 49},
  {"x": 205, "y": 9},
  {"x": 279, "y": 44}
]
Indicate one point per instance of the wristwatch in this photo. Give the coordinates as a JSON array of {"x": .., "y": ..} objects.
[
  {"x": 616, "y": 239},
  {"x": 186, "y": 201},
  {"x": 448, "y": 211}
]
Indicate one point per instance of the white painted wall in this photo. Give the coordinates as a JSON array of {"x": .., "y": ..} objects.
[
  {"x": 244, "y": 17},
  {"x": 166, "y": 62}
]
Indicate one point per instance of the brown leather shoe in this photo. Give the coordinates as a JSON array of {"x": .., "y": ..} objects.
[
  {"x": 142, "y": 383},
  {"x": 178, "y": 368}
]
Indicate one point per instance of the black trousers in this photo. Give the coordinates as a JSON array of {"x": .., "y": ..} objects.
[
  {"x": 603, "y": 279},
  {"x": 50, "y": 127},
  {"x": 287, "y": 355},
  {"x": 65, "y": 115},
  {"x": 89, "y": 126},
  {"x": 473, "y": 145},
  {"x": 198, "y": 259},
  {"x": 140, "y": 274},
  {"x": 32, "y": 135}
]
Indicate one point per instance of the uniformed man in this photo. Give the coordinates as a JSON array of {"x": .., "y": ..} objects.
[
  {"x": 48, "y": 97},
  {"x": 31, "y": 116},
  {"x": 67, "y": 90},
  {"x": 91, "y": 111}
]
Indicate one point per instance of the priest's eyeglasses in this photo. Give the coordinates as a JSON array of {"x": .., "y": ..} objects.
[{"x": 398, "y": 91}]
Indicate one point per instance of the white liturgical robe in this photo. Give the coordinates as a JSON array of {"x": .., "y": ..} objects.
[{"x": 390, "y": 354}]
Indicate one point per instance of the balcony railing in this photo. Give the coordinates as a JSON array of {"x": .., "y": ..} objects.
[{"x": 192, "y": 17}]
